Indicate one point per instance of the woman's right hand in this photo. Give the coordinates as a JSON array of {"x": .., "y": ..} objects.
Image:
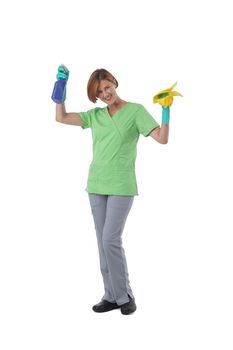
[{"x": 62, "y": 72}]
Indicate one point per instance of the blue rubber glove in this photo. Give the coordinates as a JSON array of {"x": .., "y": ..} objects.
[
  {"x": 62, "y": 72},
  {"x": 59, "y": 90},
  {"x": 165, "y": 115},
  {"x": 165, "y": 112}
]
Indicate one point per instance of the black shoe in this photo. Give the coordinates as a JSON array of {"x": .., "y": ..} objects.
[
  {"x": 128, "y": 308},
  {"x": 105, "y": 306}
]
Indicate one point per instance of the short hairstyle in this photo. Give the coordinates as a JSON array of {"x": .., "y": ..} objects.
[{"x": 94, "y": 80}]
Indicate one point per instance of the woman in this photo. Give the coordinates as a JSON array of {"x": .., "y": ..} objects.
[{"x": 111, "y": 184}]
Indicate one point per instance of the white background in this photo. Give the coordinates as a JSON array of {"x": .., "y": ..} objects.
[{"x": 178, "y": 236}]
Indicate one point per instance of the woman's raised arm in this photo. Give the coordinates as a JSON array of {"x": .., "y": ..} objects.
[{"x": 67, "y": 118}]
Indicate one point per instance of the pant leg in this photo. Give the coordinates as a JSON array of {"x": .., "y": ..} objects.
[
  {"x": 118, "y": 208},
  {"x": 98, "y": 207}
]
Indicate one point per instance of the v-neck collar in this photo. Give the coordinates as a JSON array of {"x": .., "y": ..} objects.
[{"x": 113, "y": 116}]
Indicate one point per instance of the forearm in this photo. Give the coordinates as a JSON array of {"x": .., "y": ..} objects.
[
  {"x": 163, "y": 134},
  {"x": 164, "y": 130},
  {"x": 60, "y": 111}
]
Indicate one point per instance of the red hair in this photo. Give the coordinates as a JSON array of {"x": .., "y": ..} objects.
[{"x": 94, "y": 80}]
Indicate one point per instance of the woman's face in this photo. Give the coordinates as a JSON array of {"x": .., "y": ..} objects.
[{"x": 107, "y": 92}]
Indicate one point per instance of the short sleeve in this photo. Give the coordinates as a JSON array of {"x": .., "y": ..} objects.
[
  {"x": 145, "y": 123},
  {"x": 87, "y": 118}
]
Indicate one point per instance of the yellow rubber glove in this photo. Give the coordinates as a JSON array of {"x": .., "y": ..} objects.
[{"x": 165, "y": 97}]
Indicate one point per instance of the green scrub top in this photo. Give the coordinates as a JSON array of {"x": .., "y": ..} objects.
[{"x": 112, "y": 170}]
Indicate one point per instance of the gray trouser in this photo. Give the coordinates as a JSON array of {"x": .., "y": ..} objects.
[{"x": 110, "y": 214}]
